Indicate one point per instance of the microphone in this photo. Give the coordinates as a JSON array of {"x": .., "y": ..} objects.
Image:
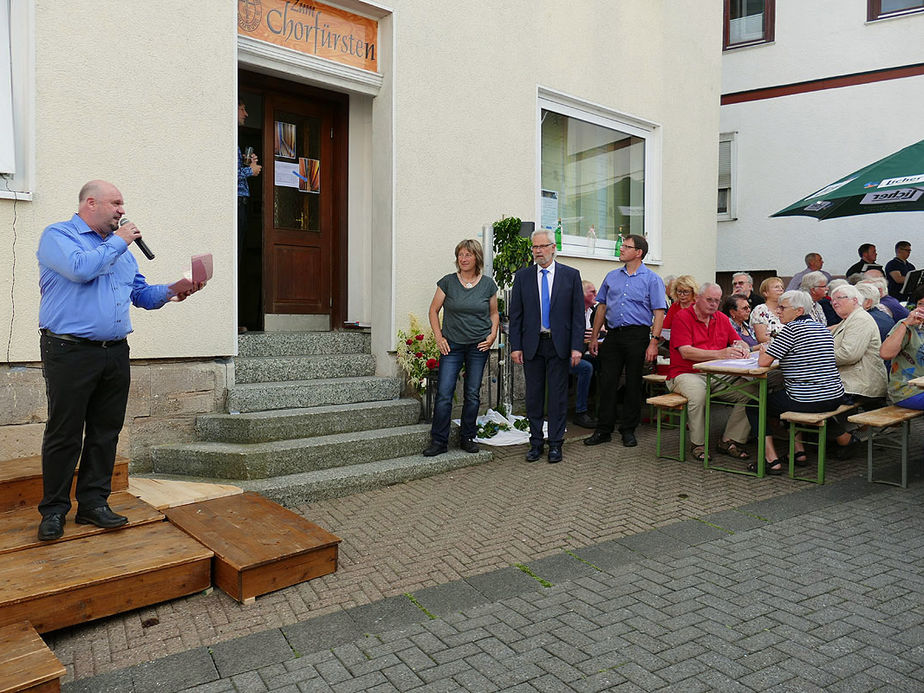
[{"x": 142, "y": 246}]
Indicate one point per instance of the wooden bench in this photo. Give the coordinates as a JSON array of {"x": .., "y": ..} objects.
[
  {"x": 673, "y": 407},
  {"x": 882, "y": 423},
  {"x": 26, "y": 663},
  {"x": 817, "y": 422},
  {"x": 654, "y": 385}
]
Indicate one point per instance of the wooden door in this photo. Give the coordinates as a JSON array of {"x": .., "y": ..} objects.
[{"x": 299, "y": 206}]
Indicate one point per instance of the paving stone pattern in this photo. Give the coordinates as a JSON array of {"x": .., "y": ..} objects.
[
  {"x": 829, "y": 598},
  {"x": 459, "y": 525}
]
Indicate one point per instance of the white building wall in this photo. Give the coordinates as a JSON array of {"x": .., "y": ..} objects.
[
  {"x": 793, "y": 145},
  {"x": 789, "y": 146},
  {"x": 823, "y": 38}
]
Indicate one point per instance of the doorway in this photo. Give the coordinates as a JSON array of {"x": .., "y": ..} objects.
[{"x": 292, "y": 272}]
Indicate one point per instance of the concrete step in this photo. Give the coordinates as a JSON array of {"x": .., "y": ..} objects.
[
  {"x": 282, "y": 424},
  {"x": 311, "y": 393},
  {"x": 274, "y": 369},
  {"x": 282, "y": 457},
  {"x": 303, "y": 343},
  {"x": 309, "y": 487}
]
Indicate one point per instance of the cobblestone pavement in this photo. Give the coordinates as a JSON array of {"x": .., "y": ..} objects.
[{"x": 432, "y": 533}]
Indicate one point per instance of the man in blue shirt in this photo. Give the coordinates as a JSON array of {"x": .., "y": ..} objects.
[
  {"x": 87, "y": 282},
  {"x": 635, "y": 305}
]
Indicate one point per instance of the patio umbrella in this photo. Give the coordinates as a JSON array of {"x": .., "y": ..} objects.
[{"x": 893, "y": 184}]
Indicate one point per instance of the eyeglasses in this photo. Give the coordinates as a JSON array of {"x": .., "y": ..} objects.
[
  {"x": 628, "y": 247},
  {"x": 683, "y": 292},
  {"x": 545, "y": 245}
]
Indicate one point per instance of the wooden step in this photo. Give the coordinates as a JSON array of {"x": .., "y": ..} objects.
[
  {"x": 169, "y": 493},
  {"x": 68, "y": 582},
  {"x": 26, "y": 663},
  {"x": 259, "y": 546},
  {"x": 21, "y": 481},
  {"x": 19, "y": 527}
]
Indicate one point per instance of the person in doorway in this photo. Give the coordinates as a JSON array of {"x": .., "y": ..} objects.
[
  {"x": 584, "y": 370},
  {"x": 247, "y": 167},
  {"x": 87, "y": 281},
  {"x": 546, "y": 338},
  {"x": 867, "y": 253},
  {"x": 634, "y": 306},
  {"x": 468, "y": 300},
  {"x": 897, "y": 269}
]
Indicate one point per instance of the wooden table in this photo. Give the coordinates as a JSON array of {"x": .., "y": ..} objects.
[{"x": 749, "y": 369}]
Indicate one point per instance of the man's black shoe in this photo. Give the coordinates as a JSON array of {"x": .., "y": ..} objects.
[
  {"x": 628, "y": 439},
  {"x": 585, "y": 420},
  {"x": 554, "y": 454},
  {"x": 535, "y": 452},
  {"x": 101, "y": 517},
  {"x": 51, "y": 527},
  {"x": 469, "y": 446},
  {"x": 434, "y": 450},
  {"x": 598, "y": 438}
]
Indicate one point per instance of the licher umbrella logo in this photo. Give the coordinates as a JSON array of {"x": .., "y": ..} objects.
[
  {"x": 892, "y": 184},
  {"x": 249, "y": 14}
]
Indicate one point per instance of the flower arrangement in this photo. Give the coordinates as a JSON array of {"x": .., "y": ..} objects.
[{"x": 418, "y": 354}]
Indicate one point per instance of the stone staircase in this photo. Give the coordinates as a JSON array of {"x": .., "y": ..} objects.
[{"x": 308, "y": 419}]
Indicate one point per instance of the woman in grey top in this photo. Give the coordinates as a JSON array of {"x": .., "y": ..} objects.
[{"x": 468, "y": 300}]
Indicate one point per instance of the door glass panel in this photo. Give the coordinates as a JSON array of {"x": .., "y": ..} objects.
[{"x": 297, "y": 155}]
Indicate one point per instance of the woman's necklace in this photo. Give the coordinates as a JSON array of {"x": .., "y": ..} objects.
[{"x": 468, "y": 284}]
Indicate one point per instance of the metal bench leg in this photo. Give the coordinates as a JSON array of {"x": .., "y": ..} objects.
[
  {"x": 822, "y": 446},
  {"x": 906, "y": 430}
]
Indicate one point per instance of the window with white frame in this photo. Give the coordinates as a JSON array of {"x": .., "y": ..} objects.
[
  {"x": 599, "y": 175},
  {"x": 882, "y": 9},
  {"x": 726, "y": 197},
  {"x": 15, "y": 103}
]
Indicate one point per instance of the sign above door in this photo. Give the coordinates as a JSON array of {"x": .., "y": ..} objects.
[{"x": 312, "y": 28}]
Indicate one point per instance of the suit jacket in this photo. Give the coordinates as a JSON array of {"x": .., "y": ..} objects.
[{"x": 566, "y": 311}]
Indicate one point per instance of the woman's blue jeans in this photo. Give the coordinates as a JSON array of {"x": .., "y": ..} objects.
[{"x": 450, "y": 366}]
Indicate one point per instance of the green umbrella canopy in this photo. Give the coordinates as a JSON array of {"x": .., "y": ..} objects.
[{"x": 893, "y": 184}]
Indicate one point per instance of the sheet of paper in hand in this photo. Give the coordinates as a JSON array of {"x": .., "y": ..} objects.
[{"x": 201, "y": 272}]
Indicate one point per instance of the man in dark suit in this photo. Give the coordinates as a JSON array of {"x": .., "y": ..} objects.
[{"x": 547, "y": 338}]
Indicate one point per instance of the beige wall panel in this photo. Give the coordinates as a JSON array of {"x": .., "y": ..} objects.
[
  {"x": 141, "y": 94},
  {"x": 465, "y": 118}
]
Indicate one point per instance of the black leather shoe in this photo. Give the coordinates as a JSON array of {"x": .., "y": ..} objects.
[
  {"x": 585, "y": 420},
  {"x": 434, "y": 450},
  {"x": 628, "y": 439},
  {"x": 101, "y": 517},
  {"x": 535, "y": 452},
  {"x": 469, "y": 446},
  {"x": 554, "y": 454},
  {"x": 51, "y": 527},
  {"x": 598, "y": 438}
]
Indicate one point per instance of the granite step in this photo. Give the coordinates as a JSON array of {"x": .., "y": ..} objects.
[
  {"x": 308, "y": 487},
  {"x": 299, "y": 394},
  {"x": 303, "y": 343},
  {"x": 282, "y": 424},
  {"x": 272, "y": 369},
  {"x": 283, "y": 457}
]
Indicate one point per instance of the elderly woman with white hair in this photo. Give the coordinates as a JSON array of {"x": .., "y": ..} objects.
[
  {"x": 888, "y": 304},
  {"x": 815, "y": 284},
  {"x": 811, "y": 381},
  {"x": 869, "y": 295},
  {"x": 856, "y": 351}
]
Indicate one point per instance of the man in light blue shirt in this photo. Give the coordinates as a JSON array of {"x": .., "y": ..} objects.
[
  {"x": 87, "y": 281},
  {"x": 635, "y": 305}
]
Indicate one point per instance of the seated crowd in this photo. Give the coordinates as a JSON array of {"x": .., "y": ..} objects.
[{"x": 836, "y": 342}]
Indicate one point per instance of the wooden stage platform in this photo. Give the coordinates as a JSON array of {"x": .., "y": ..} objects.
[{"x": 246, "y": 544}]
